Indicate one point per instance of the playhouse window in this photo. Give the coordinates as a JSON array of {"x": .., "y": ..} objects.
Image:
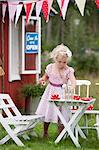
[
  {"x": 31, "y": 46},
  {"x": 24, "y": 48}
]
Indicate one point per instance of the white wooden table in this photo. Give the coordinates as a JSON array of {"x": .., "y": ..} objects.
[{"x": 72, "y": 125}]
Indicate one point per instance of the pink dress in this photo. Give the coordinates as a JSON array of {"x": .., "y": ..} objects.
[{"x": 46, "y": 108}]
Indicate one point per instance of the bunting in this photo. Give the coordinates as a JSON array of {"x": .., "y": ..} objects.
[
  {"x": 97, "y": 4},
  {"x": 15, "y": 7},
  {"x": 45, "y": 10},
  {"x": 18, "y": 12},
  {"x": 4, "y": 6},
  {"x": 28, "y": 8},
  {"x": 38, "y": 8},
  {"x": 81, "y": 5},
  {"x": 62, "y": 3},
  {"x": 64, "y": 8},
  {"x": 12, "y": 9}
]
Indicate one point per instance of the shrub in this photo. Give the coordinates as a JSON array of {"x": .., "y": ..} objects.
[{"x": 33, "y": 90}]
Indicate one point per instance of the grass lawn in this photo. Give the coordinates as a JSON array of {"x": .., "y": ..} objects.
[{"x": 39, "y": 143}]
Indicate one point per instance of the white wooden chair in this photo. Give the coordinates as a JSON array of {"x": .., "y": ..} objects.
[
  {"x": 79, "y": 84},
  {"x": 77, "y": 91},
  {"x": 13, "y": 122}
]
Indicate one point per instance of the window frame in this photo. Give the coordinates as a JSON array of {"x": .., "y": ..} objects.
[{"x": 38, "y": 60}]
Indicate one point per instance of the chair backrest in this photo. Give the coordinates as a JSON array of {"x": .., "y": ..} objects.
[
  {"x": 7, "y": 106},
  {"x": 79, "y": 84}
]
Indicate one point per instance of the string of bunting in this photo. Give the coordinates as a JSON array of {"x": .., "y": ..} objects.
[{"x": 15, "y": 8}]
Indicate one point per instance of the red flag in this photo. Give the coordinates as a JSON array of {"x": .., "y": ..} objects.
[
  {"x": 45, "y": 10},
  {"x": 29, "y": 9}
]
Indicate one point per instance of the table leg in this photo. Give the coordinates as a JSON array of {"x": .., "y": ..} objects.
[{"x": 66, "y": 129}]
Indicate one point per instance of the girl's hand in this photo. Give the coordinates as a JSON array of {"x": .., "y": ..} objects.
[{"x": 42, "y": 82}]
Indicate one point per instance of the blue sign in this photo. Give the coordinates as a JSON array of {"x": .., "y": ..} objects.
[{"x": 32, "y": 42}]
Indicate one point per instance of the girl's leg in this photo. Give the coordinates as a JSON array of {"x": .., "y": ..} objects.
[
  {"x": 46, "y": 125},
  {"x": 60, "y": 128}
]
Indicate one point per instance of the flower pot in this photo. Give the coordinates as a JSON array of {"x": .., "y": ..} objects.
[{"x": 31, "y": 105}]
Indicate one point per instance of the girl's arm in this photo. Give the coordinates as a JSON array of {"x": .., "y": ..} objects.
[
  {"x": 43, "y": 79},
  {"x": 72, "y": 78}
]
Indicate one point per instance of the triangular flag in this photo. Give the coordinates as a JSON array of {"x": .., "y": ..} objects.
[
  {"x": 49, "y": 5},
  {"x": 18, "y": 11},
  {"x": 12, "y": 9},
  {"x": 97, "y": 4},
  {"x": 28, "y": 8},
  {"x": 64, "y": 8},
  {"x": 81, "y": 5},
  {"x": 38, "y": 7},
  {"x": 62, "y": 3},
  {"x": 4, "y": 6},
  {"x": 45, "y": 10}
]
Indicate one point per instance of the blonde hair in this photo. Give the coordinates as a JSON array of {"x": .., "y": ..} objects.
[{"x": 60, "y": 50}]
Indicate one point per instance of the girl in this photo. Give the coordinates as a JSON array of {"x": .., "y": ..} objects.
[{"x": 57, "y": 74}]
